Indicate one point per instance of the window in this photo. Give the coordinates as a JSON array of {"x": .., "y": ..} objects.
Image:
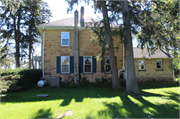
[
  {"x": 159, "y": 64},
  {"x": 65, "y": 67},
  {"x": 141, "y": 65},
  {"x": 107, "y": 65},
  {"x": 65, "y": 40},
  {"x": 87, "y": 64}
]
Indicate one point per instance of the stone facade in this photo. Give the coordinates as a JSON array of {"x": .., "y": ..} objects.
[{"x": 151, "y": 72}]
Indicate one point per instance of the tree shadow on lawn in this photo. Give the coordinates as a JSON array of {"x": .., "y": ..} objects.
[
  {"x": 43, "y": 113},
  {"x": 65, "y": 94},
  {"x": 126, "y": 108},
  {"x": 139, "y": 108}
]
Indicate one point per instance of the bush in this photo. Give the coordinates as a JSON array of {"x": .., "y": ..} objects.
[
  {"x": 12, "y": 80},
  {"x": 29, "y": 78},
  {"x": 10, "y": 72},
  {"x": 154, "y": 82},
  {"x": 8, "y": 83},
  {"x": 85, "y": 83}
]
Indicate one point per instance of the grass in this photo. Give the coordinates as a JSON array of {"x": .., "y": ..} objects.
[{"x": 90, "y": 103}]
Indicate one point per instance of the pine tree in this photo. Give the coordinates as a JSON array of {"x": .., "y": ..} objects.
[{"x": 19, "y": 19}]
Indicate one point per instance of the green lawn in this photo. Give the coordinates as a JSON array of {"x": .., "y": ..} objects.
[{"x": 90, "y": 103}]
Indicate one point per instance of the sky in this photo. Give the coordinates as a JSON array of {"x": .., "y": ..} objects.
[{"x": 59, "y": 10}]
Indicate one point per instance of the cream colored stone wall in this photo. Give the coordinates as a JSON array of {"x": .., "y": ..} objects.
[
  {"x": 86, "y": 48},
  {"x": 151, "y": 72}
]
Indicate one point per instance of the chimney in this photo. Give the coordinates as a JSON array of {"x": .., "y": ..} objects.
[
  {"x": 82, "y": 16},
  {"x": 76, "y": 18}
]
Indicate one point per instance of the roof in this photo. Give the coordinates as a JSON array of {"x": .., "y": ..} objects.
[
  {"x": 153, "y": 54},
  {"x": 69, "y": 22},
  {"x": 65, "y": 22}
]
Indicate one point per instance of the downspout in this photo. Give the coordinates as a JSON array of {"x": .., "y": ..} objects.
[
  {"x": 123, "y": 68},
  {"x": 43, "y": 52}
]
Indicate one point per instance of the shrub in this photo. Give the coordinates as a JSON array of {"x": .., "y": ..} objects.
[
  {"x": 29, "y": 77},
  {"x": 85, "y": 82},
  {"x": 97, "y": 82},
  {"x": 72, "y": 85},
  {"x": 102, "y": 82},
  {"x": 12, "y": 80},
  {"x": 154, "y": 82},
  {"x": 8, "y": 83}
]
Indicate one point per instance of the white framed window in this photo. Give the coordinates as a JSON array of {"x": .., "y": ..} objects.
[
  {"x": 158, "y": 64},
  {"x": 65, "y": 64},
  {"x": 107, "y": 66},
  {"x": 141, "y": 65},
  {"x": 65, "y": 38},
  {"x": 87, "y": 64}
]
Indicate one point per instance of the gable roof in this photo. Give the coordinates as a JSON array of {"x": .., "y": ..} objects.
[
  {"x": 65, "y": 22},
  {"x": 69, "y": 22},
  {"x": 153, "y": 54}
]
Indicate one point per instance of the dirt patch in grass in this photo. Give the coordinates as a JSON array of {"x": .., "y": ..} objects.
[{"x": 67, "y": 113}]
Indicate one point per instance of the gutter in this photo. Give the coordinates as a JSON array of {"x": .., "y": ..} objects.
[{"x": 43, "y": 52}]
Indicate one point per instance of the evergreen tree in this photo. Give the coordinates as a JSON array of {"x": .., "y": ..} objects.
[{"x": 19, "y": 19}]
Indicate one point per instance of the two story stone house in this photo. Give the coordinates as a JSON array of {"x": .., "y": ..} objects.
[{"x": 67, "y": 51}]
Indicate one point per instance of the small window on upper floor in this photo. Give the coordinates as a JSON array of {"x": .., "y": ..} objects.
[
  {"x": 141, "y": 65},
  {"x": 158, "y": 64},
  {"x": 65, "y": 38}
]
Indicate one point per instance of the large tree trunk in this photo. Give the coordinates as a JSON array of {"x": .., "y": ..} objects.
[
  {"x": 17, "y": 38},
  {"x": 109, "y": 41},
  {"x": 131, "y": 83},
  {"x": 30, "y": 50}
]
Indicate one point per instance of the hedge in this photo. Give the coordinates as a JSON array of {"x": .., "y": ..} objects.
[{"x": 12, "y": 80}]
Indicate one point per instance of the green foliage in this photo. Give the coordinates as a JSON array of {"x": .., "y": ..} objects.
[
  {"x": 103, "y": 82},
  {"x": 85, "y": 82},
  {"x": 176, "y": 63},
  {"x": 29, "y": 77},
  {"x": 18, "y": 23},
  {"x": 8, "y": 72},
  {"x": 8, "y": 83},
  {"x": 160, "y": 29},
  {"x": 12, "y": 80},
  {"x": 72, "y": 85},
  {"x": 154, "y": 82}
]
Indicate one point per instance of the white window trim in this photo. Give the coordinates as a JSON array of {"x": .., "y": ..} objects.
[
  {"x": 84, "y": 64},
  {"x": 61, "y": 38},
  {"x": 144, "y": 64},
  {"x": 69, "y": 65},
  {"x": 156, "y": 64},
  {"x": 105, "y": 64}
]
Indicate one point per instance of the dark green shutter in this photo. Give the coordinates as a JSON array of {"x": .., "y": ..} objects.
[
  {"x": 58, "y": 64},
  {"x": 71, "y": 64},
  {"x": 81, "y": 63},
  {"x": 94, "y": 64},
  {"x": 102, "y": 65}
]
